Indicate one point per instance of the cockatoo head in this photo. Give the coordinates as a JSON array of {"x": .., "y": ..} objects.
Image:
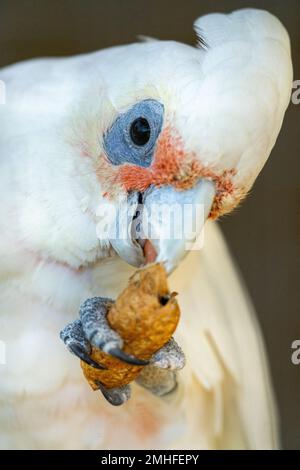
[
  {"x": 191, "y": 125},
  {"x": 163, "y": 122}
]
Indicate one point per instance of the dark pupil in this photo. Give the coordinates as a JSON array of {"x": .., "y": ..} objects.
[{"x": 140, "y": 131}]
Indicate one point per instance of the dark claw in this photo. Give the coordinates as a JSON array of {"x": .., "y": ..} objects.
[
  {"x": 115, "y": 396},
  {"x": 79, "y": 352},
  {"x": 119, "y": 354}
]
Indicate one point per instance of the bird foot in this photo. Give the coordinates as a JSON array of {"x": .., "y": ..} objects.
[
  {"x": 170, "y": 356},
  {"x": 115, "y": 396},
  {"x": 74, "y": 339},
  {"x": 93, "y": 329},
  {"x": 159, "y": 377},
  {"x": 160, "y": 382}
]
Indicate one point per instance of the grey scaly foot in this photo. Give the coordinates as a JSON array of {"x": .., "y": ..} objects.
[
  {"x": 93, "y": 329},
  {"x": 97, "y": 331},
  {"x": 160, "y": 382},
  {"x": 159, "y": 376},
  {"x": 73, "y": 337},
  {"x": 76, "y": 342},
  {"x": 170, "y": 356}
]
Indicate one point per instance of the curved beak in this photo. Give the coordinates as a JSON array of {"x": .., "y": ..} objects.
[{"x": 172, "y": 220}]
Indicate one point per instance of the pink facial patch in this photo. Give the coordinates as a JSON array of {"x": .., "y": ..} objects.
[{"x": 172, "y": 166}]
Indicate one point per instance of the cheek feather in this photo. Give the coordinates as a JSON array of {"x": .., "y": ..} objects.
[
  {"x": 165, "y": 169},
  {"x": 84, "y": 150},
  {"x": 174, "y": 167},
  {"x": 171, "y": 166}
]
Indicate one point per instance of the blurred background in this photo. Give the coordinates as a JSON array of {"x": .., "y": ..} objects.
[{"x": 264, "y": 234}]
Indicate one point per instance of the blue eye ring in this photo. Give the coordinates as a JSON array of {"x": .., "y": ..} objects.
[{"x": 119, "y": 144}]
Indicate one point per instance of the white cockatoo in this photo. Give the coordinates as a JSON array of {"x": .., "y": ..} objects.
[{"x": 156, "y": 120}]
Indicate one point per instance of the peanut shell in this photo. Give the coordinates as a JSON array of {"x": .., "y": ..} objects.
[{"x": 144, "y": 323}]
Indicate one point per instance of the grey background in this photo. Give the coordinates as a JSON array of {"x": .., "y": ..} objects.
[{"x": 264, "y": 234}]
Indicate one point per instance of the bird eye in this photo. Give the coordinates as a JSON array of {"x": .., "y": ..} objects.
[
  {"x": 133, "y": 135},
  {"x": 140, "y": 131}
]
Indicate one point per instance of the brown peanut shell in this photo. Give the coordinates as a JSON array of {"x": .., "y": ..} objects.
[{"x": 142, "y": 321}]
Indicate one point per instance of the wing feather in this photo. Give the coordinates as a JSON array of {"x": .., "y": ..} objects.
[{"x": 226, "y": 361}]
